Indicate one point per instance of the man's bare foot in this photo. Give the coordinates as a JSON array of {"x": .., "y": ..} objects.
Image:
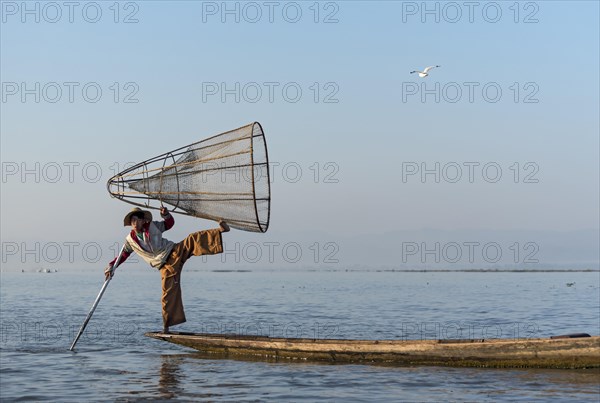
[{"x": 223, "y": 227}]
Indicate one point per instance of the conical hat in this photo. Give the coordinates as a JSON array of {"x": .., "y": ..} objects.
[{"x": 127, "y": 219}]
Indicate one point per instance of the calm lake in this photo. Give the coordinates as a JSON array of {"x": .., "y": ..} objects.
[{"x": 42, "y": 312}]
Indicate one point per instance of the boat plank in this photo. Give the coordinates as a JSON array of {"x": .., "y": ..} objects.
[{"x": 499, "y": 353}]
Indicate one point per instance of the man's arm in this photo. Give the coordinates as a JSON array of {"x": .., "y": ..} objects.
[
  {"x": 124, "y": 257},
  {"x": 169, "y": 221},
  {"x": 109, "y": 270}
]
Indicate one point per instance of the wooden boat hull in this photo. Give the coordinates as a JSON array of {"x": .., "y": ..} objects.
[{"x": 567, "y": 353}]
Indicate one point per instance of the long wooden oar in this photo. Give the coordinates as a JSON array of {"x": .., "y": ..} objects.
[{"x": 96, "y": 301}]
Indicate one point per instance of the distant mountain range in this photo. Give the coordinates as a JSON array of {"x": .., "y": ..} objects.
[
  {"x": 427, "y": 249},
  {"x": 437, "y": 249}
]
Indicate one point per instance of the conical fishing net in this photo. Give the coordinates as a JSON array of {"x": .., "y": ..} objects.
[{"x": 224, "y": 177}]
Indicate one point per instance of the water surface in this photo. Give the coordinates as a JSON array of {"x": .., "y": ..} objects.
[{"x": 42, "y": 312}]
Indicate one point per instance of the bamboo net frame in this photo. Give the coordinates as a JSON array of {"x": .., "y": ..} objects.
[{"x": 224, "y": 177}]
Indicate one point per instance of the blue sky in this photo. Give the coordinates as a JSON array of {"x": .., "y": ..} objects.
[{"x": 363, "y": 61}]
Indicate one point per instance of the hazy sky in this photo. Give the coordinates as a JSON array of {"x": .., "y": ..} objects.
[{"x": 508, "y": 125}]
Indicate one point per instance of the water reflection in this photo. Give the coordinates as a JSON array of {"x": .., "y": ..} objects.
[{"x": 169, "y": 385}]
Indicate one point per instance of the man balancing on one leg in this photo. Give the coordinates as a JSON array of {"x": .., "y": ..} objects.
[{"x": 146, "y": 240}]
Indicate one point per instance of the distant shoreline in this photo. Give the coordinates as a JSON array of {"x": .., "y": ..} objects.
[
  {"x": 354, "y": 270},
  {"x": 463, "y": 270}
]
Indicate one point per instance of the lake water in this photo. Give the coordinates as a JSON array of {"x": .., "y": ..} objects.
[{"x": 41, "y": 313}]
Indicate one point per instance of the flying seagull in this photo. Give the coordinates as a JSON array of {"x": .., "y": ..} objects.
[{"x": 425, "y": 72}]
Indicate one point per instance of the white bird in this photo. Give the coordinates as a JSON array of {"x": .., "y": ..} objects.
[{"x": 425, "y": 72}]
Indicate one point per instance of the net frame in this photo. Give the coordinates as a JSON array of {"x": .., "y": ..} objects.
[{"x": 120, "y": 185}]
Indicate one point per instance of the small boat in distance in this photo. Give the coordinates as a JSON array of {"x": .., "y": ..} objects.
[{"x": 563, "y": 352}]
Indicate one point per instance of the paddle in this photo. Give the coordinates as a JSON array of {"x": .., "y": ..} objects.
[{"x": 89, "y": 316}]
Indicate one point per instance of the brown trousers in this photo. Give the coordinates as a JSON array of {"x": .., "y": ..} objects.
[{"x": 207, "y": 242}]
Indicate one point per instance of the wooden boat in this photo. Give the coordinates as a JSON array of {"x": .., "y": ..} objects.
[{"x": 557, "y": 352}]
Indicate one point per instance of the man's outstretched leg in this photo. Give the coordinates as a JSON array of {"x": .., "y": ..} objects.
[{"x": 200, "y": 243}]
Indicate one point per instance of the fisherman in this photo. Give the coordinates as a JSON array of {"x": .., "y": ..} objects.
[{"x": 146, "y": 240}]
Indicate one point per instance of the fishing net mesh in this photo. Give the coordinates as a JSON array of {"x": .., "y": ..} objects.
[{"x": 224, "y": 177}]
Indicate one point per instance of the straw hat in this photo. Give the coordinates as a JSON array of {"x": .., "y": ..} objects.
[{"x": 127, "y": 219}]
